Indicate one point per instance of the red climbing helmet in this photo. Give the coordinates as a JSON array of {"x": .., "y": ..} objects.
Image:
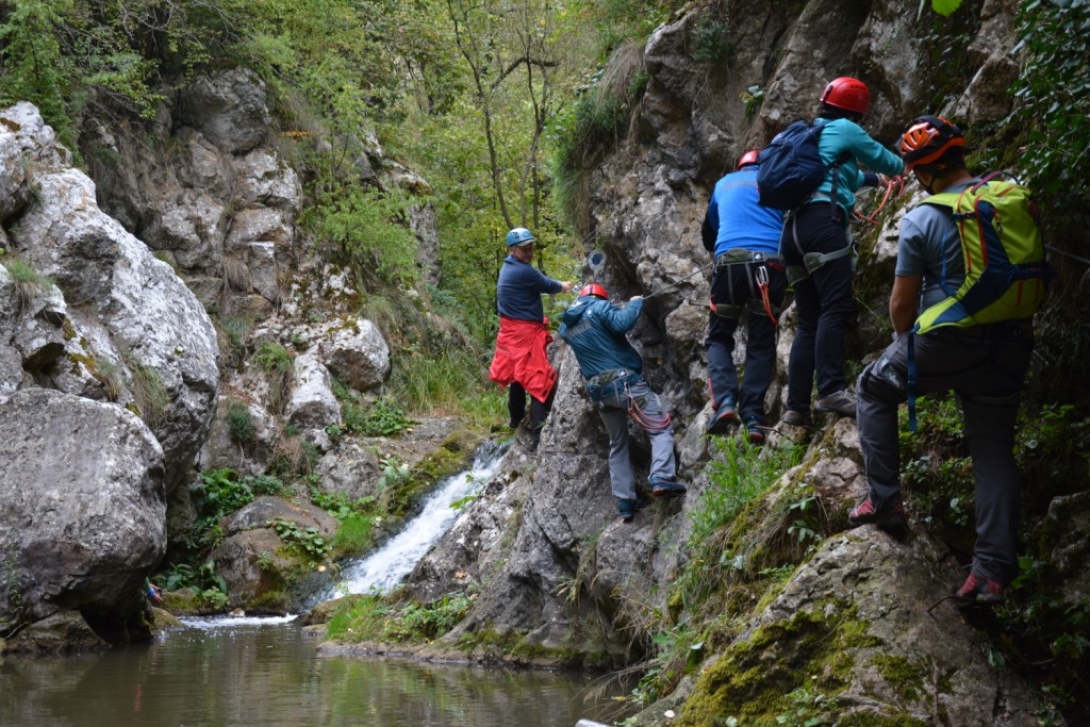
[
  {"x": 928, "y": 139},
  {"x": 847, "y": 93},
  {"x": 750, "y": 157},
  {"x": 594, "y": 289}
]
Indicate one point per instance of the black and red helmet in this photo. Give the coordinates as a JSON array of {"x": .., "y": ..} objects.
[
  {"x": 927, "y": 140},
  {"x": 593, "y": 289},
  {"x": 847, "y": 93},
  {"x": 750, "y": 157}
]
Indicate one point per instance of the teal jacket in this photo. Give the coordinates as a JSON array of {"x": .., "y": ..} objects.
[
  {"x": 843, "y": 138},
  {"x": 595, "y": 329}
]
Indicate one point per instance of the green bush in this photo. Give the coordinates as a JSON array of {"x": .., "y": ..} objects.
[
  {"x": 240, "y": 422},
  {"x": 220, "y": 493},
  {"x": 308, "y": 542}
]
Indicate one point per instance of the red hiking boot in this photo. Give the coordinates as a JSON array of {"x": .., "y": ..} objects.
[
  {"x": 891, "y": 515},
  {"x": 982, "y": 589}
]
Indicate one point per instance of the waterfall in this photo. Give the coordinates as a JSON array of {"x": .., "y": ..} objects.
[{"x": 384, "y": 569}]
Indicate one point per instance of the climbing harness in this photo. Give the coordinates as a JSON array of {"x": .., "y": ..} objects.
[
  {"x": 741, "y": 256},
  {"x": 812, "y": 261},
  {"x": 616, "y": 384}
]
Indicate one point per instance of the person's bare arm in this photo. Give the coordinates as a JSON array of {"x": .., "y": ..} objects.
[{"x": 904, "y": 302}]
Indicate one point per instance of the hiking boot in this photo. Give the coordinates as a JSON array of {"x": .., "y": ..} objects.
[
  {"x": 666, "y": 488},
  {"x": 725, "y": 417},
  {"x": 797, "y": 418},
  {"x": 754, "y": 432},
  {"x": 981, "y": 589},
  {"x": 627, "y": 509},
  {"x": 891, "y": 515},
  {"x": 840, "y": 402}
]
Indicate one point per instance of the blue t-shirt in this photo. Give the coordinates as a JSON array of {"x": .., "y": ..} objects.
[
  {"x": 929, "y": 245},
  {"x": 735, "y": 218},
  {"x": 843, "y": 135},
  {"x": 519, "y": 290}
]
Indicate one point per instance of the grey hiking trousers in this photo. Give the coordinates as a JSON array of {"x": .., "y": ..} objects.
[
  {"x": 615, "y": 411},
  {"x": 985, "y": 366}
]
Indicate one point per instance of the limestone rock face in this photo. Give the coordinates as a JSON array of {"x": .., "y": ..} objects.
[
  {"x": 312, "y": 404},
  {"x": 83, "y": 501},
  {"x": 228, "y": 108},
  {"x": 357, "y": 354},
  {"x": 141, "y": 331}
]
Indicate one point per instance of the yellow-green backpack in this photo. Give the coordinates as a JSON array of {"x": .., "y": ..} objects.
[{"x": 1005, "y": 268}]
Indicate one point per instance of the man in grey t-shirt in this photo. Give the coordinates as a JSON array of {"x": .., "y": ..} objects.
[{"x": 985, "y": 365}]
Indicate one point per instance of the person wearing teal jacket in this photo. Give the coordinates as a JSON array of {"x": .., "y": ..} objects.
[
  {"x": 823, "y": 282},
  {"x": 613, "y": 372}
]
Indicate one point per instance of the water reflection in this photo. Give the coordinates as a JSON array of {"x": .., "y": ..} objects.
[{"x": 265, "y": 674}]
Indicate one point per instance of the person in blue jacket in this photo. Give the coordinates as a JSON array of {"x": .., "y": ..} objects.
[
  {"x": 817, "y": 248},
  {"x": 743, "y": 238},
  {"x": 613, "y": 371}
]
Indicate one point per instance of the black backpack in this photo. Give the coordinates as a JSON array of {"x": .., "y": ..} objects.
[{"x": 790, "y": 168}]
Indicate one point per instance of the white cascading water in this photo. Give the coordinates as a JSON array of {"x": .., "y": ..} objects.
[{"x": 384, "y": 569}]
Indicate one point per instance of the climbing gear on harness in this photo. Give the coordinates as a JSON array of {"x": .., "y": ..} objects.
[
  {"x": 594, "y": 289},
  {"x": 519, "y": 236},
  {"x": 762, "y": 284},
  {"x": 615, "y": 383},
  {"x": 847, "y": 93},
  {"x": 609, "y": 383},
  {"x": 928, "y": 139},
  {"x": 742, "y": 256}
]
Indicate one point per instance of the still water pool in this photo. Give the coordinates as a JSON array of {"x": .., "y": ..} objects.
[{"x": 267, "y": 673}]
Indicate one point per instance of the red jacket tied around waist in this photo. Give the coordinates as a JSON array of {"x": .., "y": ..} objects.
[{"x": 520, "y": 357}]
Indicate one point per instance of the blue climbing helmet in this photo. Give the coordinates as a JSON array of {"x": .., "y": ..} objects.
[{"x": 519, "y": 236}]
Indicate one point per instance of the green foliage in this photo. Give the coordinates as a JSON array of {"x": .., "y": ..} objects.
[
  {"x": 709, "y": 37},
  {"x": 1054, "y": 90},
  {"x": 149, "y": 393},
  {"x": 240, "y": 422},
  {"x": 738, "y": 476},
  {"x": 373, "y": 618},
  {"x": 220, "y": 493},
  {"x": 449, "y": 382},
  {"x": 272, "y": 357},
  {"x": 366, "y": 230},
  {"x": 618, "y": 21},
  {"x": 211, "y": 588},
  {"x": 28, "y": 282},
  {"x": 308, "y": 542},
  {"x": 809, "y": 709},
  {"x": 354, "y": 536}
]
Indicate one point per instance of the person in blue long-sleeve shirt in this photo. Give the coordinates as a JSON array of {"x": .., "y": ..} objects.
[{"x": 743, "y": 239}]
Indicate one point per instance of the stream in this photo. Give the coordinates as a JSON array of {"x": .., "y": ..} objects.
[{"x": 265, "y": 672}]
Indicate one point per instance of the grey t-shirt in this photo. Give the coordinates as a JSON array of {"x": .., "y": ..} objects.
[{"x": 929, "y": 245}]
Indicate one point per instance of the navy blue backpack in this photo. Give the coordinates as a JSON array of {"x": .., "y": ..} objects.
[{"x": 790, "y": 168}]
